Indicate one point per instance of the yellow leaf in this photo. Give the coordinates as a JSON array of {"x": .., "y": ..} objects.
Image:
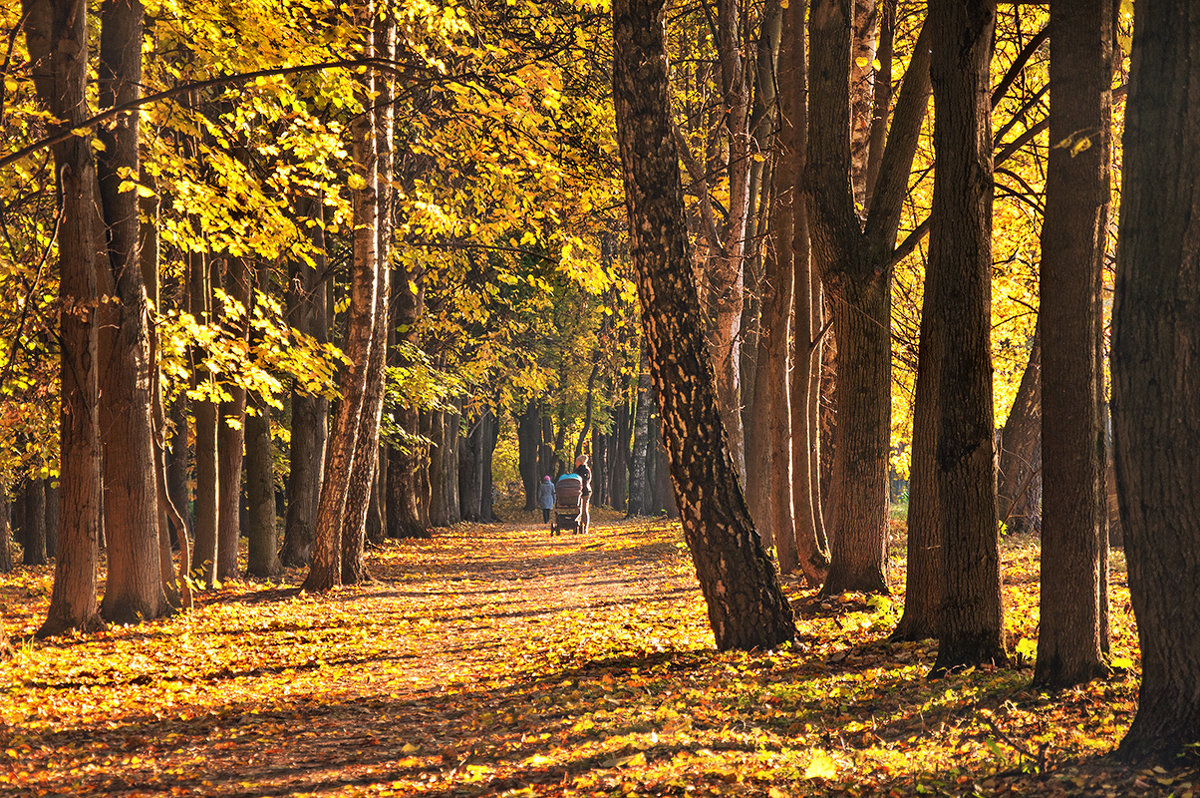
[
  {"x": 821, "y": 767},
  {"x": 408, "y": 748}
]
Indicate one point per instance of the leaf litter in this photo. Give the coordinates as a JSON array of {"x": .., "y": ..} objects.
[{"x": 495, "y": 660}]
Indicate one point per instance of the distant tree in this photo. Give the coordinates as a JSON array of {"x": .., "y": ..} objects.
[
  {"x": 1074, "y": 233},
  {"x": 1156, "y": 392},
  {"x": 746, "y": 607},
  {"x": 958, "y": 283}
]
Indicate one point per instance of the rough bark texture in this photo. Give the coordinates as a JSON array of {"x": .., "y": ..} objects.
[
  {"x": 959, "y": 283},
  {"x": 325, "y": 570},
  {"x": 1019, "y": 481},
  {"x": 746, "y": 607},
  {"x": 852, "y": 257},
  {"x": 1070, "y": 649},
  {"x": 179, "y": 461},
  {"x": 56, "y": 37},
  {"x": 310, "y": 414},
  {"x": 1156, "y": 378},
  {"x": 134, "y": 586},
  {"x": 443, "y": 494}
]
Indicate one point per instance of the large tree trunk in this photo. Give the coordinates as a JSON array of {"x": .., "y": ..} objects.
[
  {"x": 134, "y": 589},
  {"x": 1019, "y": 481},
  {"x": 56, "y": 36},
  {"x": 307, "y": 303},
  {"x": 1070, "y": 644},
  {"x": 959, "y": 282},
  {"x": 262, "y": 559},
  {"x": 529, "y": 440},
  {"x": 231, "y": 438},
  {"x": 746, "y": 607},
  {"x": 1156, "y": 385},
  {"x": 852, "y": 258},
  {"x": 325, "y": 570},
  {"x": 443, "y": 494}
]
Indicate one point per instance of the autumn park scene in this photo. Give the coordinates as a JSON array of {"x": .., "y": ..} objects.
[{"x": 600, "y": 398}]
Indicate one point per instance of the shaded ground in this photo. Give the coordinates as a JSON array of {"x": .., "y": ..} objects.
[{"x": 499, "y": 661}]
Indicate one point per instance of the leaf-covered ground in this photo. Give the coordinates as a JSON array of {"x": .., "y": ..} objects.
[{"x": 498, "y": 661}]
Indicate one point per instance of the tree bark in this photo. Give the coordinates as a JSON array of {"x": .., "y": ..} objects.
[
  {"x": 204, "y": 552},
  {"x": 262, "y": 560},
  {"x": 231, "y": 437},
  {"x": 1019, "y": 482},
  {"x": 56, "y": 35},
  {"x": 746, "y": 607},
  {"x": 925, "y": 572},
  {"x": 1156, "y": 390},
  {"x": 134, "y": 589},
  {"x": 641, "y": 443},
  {"x": 852, "y": 258},
  {"x": 959, "y": 282},
  {"x": 310, "y": 413},
  {"x": 33, "y": 527},
  {"x": 1070, "y": 645},
  {"x": 325, "y": 570},
  {"x": 6, "y": 555},
  {"x": 529, "y": 439}
]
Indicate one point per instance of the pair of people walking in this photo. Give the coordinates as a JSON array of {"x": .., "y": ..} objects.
[{"x": 546, "y": 494}]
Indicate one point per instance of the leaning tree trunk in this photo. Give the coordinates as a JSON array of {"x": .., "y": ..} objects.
[
  {"x": 1074, "y": 233},
  {"x": 1156, "y": 385},
  {"x": 959, "y": 282},
  {"x": 56, "y": 36},
  {"x": 134, "y": 589},
  {"x": 1019, "y": 481},
  {"x": 746, "y": 607},
  {"x": 325, "y": 570}
]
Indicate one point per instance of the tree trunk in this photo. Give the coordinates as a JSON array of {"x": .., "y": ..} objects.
[
  {"x": 924, "y": 577},
  {"x": 443, "y": 499},
  {"x": 134, "y": 589},
  {"x": 1019, "y": 482},
  {"x": 1156, "y": 345},
  {"x": 204, "y": 552},
  {"x": 310, "y": 414},
  {"x": 959, "y": 283},
  {"x": 469, "y": 484},
  {"x": 231, "y": 438},
  {"x": 325, "y": 570},
  {"x": 641, "y": 443},
  {"x": 56, "y": 36},
  {"x": 852, "y": 258},
  {"x": 529, "y": 440},
  {"x": 53, "y": 507},
  {"x": 178, "y": 462},
  {"x": 619, "y": 459},
  {"x": 1070, "y": 646},
  {"x": 746, "y": 607},
  {"x": 262, "y": 560},
  {"x": 6, "y": 556},
  {"x": 33, "y": 528}
]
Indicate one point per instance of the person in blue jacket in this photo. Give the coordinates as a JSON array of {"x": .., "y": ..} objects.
[{"x": 545, "y": 498}]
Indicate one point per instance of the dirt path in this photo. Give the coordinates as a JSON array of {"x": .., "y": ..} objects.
[{"x": 423, "y": 681}]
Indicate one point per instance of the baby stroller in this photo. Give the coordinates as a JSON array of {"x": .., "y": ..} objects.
[{"x": 568, "y": 503}]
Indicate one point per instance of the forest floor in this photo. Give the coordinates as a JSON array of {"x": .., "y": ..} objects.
[{"x": 495, "y": 660}]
